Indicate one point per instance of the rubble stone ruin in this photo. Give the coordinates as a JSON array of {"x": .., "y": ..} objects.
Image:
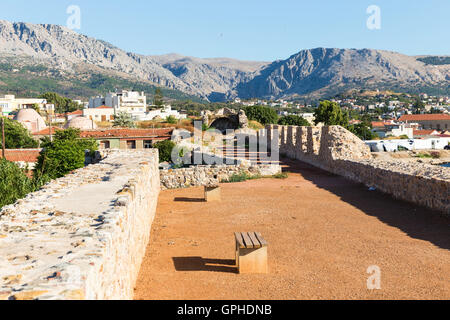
[{"x": 226, "y": 118}]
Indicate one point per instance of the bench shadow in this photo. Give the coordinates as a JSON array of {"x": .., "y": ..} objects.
[
  {"x": 416, "y": 221},
  {"x": 184, "y": 199},
  {"x": 201, "y": 264}
]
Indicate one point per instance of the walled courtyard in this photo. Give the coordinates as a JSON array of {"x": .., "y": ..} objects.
[{"x": 323, "y": 232}]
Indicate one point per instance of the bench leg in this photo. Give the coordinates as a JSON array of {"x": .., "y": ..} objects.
[{"x": 252, "y": 260}]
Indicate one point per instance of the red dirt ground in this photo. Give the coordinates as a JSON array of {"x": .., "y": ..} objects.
[{"x": 323, "y": 233}]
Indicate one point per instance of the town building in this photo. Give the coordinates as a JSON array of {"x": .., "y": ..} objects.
[
  {"x": 9, "y": 103},
  {"x": 393, "y": 129},
  {"x": 122, "y": 101},
  {"x": 420, "y": 134},
  {"x": 101, "y": 113},
  {"x": 437, "y": 121},
  {"x": 124, "y": 138},
  {"x": 31, "y": 120},
  {"x": 24, "y": 158},
  {"x": 81, "y": 123}
]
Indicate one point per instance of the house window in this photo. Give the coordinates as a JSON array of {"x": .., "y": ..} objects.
[
  {"x": 111, "y": 117},
  {"x": 131, "y": 144},
  {"x": 148, "y": 144},
  {"x": 103, "y": 118},
  {"x": 105, "y": 144}
]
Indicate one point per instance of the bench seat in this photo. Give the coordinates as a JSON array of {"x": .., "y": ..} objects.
[{"x": 251, "y": 252}]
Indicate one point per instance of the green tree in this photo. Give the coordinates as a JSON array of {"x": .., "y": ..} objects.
[
  {"x": 262, "y": 114},
  {"x": 17, "y": 136},
  {"x": 62, "y": 104},
  {"x": 158, "y": 97},
  {"x": 165, "y": 150},
  {"x": 14, "y": 184},
  {"x": 362, "y": 130},
  {"x": 418, "y": 105},
  {"x": 124, "y": 119},
  {"x": 35, "y": 106},
  {"x": 293, "y": 120},
  {"x": 65, "y": 154},
  {"x": 171, "y": 120},
  {"x": 330, "y": 113}
]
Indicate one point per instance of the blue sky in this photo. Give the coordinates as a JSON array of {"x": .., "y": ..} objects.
[{"x": 248, "y": 29}]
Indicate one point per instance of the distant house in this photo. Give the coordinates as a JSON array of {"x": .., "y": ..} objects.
[
  {"x": 71, "y": 115},
  {"x": 125, "y": 138},
  {"x": 425, "y": 133},
  {"x": 391, "y": 128},
  {"x": 436, "y": 121},
  {"x": 101, "y": 113},
  {"x": 24, "y": 158},
  {"x": 9, "y": 103}
]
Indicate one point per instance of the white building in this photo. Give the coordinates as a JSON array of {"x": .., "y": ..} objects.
[
  {"x": 162, "y": 113},
  {"x": 102, "y": 113},
  {"x": 122, "y": 101},
  {"x": 9, "y": 103}
]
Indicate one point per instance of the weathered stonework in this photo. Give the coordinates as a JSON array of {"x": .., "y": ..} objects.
[
  {"x": 337, "y": 150},
  {"x": 82, "y": 236},
  {"x": 203, "y": 175}
]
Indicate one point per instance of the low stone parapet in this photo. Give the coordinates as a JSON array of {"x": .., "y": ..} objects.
[
  {"x": 201, "y": 175},
  {"x": 82, "y": 236}
]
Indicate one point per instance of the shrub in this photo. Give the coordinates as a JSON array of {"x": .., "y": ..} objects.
[
  {"x": 65, "y": 154},
  {"x": 264, "y": 115},
  {"x": 165, "y": 150},
  {"x": 255, "y": 125},
  {"x": 17, "y": 136},
  {"x": 281, "y": 175},
  {"x": 240, "y": 177},
  {"x": 14, "y": 184},
  {"x": 124, "y": 119},
  {"x": 293, "y": 120},
  {"x": 171, "y": 120}
]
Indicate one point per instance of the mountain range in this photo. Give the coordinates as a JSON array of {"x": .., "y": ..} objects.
[{"x": 81, "y": 65}]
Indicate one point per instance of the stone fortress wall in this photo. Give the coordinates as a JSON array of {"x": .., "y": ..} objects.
[
  {"x": 337, "y": 150},
  {"x": 82, "y": 236}
]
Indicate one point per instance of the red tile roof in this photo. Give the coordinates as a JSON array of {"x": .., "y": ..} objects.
[
  {"x": 126, "y": 133},
  {"x": 425, "y": 117},
  {"x": 24, "y": 155},
  {"x": 75, "y": 113},
  {"x": 424, "y": 132},
  {"x": 46, "y": 132},
  {"x": 376, "y": 124}
]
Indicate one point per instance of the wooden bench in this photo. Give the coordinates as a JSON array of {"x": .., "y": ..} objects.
[{"x": 251, "y": 252}]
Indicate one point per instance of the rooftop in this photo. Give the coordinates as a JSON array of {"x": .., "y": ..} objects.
[
  {"x": 22, "y": 155},
  {"x": 126, "y": 132},
  {"x": 425, "y": 117}
]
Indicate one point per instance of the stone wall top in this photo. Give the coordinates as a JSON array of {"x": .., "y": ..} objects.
[{"x": 81, "y": 236}]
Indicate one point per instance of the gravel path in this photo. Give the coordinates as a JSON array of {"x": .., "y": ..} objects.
[{"x": 323, "y": 233}]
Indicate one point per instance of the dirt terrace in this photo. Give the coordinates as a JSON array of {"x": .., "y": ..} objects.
[{"x": 323, "y": 233}]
